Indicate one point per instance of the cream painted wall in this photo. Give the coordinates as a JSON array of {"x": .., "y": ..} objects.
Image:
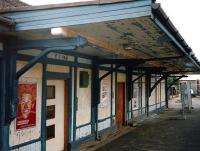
[
  {"x": 52, "y": 55},
  {"x": 34, "y": 75},
  {"x": 57, "y": 68},
  {"x": 84, "y": 100},
  {"x": 85, "y": 61},
  {"x": 158, "y": 88},
  {"x": 105, "y": 111},
  {"x": 156, "y": 95},
  {"x": 121, "y": 77},
  {"x": 153, "y": 94},
  {"x": 163, "y": 91},
  {"x": 143, "y": 93}
]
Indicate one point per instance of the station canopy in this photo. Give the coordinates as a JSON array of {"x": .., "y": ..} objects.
[{"x": 115, "y": 29}]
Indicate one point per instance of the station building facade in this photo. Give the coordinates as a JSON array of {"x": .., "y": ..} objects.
[{"x": 107, "y": 66}]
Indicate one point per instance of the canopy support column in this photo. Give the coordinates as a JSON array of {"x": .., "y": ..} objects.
[
  {"x": 167, "y": 87},
  {"x": 128, "y": 92},
  {"x": 95, "y": 99},
  {"x": 147, "y": 91}
]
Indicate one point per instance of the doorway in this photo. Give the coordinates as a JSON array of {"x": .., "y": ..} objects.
[
  {"x": 120, "y": 104},
  {"x": 57, "y": 115}
]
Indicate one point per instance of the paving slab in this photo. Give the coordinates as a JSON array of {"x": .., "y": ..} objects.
[{"x": 168, "y": 131}]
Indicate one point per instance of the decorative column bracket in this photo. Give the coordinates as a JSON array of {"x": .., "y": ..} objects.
[
  {"x": 157, "y": 82},
  {"x": 13, "y": 103},
  {"x": 109, "y": 72},
  {"x": 69, "y": 46},
  {"x": 140, "y": 76},
  {"x": 168, "y": 87}
]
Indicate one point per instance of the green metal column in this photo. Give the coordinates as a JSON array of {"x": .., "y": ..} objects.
[
  {"x": 9, "y": 97},
  {"x": 2, "y": 80},
  {"x": 75, "y": 102},
  {"x": 111, "y": 101},
  {"x": 4, "y": 128},
  {"x": 43, "y": 117},
  {"x": 147, "y": 91},
  {"x": 128, "y": 91},
  {"x": 166, "y": 93},
  {"x": 95, "y": 98}
]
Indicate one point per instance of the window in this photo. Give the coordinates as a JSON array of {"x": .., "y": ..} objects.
[
  {"x": 84, "y": 79},
  {"x": 50, "y": 92},
  {"x": 50, "y": 132},
  {"x": 50, "y": 112}
]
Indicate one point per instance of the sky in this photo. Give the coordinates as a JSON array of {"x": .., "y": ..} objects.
[{"x": 184, "y": 14}]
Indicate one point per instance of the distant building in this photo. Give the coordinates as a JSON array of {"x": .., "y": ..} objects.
[
  {"x": 194, "y": 81},
  {"x": 71, "y": 73}
]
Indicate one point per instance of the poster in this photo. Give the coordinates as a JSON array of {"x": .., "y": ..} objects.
[
  {"x": 27, "y": 106},
  {"x": 105, "y": 94}
]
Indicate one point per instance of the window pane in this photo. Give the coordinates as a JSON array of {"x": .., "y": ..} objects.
[
  {"x": 50, "y": 112},
  {"x": 50, "y": 92},
  {"x": 50, "y": 132}
]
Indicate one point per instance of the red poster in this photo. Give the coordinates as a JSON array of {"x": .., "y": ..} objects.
[{"x": 27, "y": 106}]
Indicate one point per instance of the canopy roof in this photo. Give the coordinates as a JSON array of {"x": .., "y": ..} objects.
[{"x": 114, "y": 29}]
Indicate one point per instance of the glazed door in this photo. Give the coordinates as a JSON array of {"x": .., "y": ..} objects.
[
  {"x": 56, "y": 122},
  {"x": 120, "y": 104}
]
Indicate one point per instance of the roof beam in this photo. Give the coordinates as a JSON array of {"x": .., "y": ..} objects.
[
  {"x": 78, "y": 15},
  {"x": 157, "y": 82},
  {"x": 47, "y": 43},
  {"x": 102, "y": 44},
  {"x": 168, "y": 87},
  {"x": 140, "y": 76},
  {"x": 109, "y": 72},
  {"x": 119, "y": 61},
  {"x": 164, "y": 58},
  {"x": 155, "y": 70},
  {"x": 39, "y": 57},
  {"x": 123, "y": 62}
]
